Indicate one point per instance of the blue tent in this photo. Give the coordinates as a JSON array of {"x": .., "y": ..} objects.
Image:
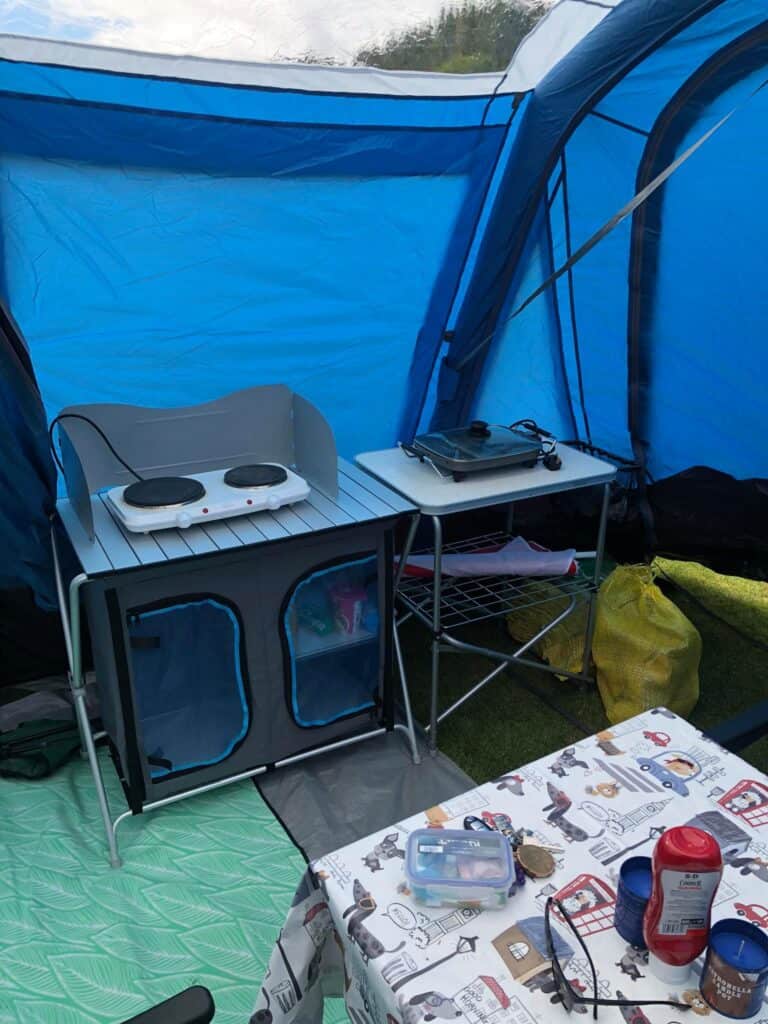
[{"x": 176, "y": 228}]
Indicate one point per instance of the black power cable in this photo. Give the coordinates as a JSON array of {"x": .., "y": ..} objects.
[{"x": 99, "y": 431}]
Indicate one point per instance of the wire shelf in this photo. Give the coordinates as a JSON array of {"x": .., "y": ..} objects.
[{"x": 467, "y": 599}]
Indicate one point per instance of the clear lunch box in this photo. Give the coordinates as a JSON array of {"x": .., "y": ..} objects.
[{"x": 451, "y": 868}]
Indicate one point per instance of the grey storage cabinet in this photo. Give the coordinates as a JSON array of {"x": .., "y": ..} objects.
[
  {"x": 230, "y": 646},
  {"x": 213, "y": 666}
]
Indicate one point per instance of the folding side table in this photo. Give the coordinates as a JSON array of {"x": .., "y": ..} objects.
[{"x": 444, "y": 604}]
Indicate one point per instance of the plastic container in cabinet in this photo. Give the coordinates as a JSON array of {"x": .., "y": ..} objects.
[{"x": 449, "y": 868}]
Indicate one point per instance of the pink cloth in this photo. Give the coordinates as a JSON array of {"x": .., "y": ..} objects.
[{"x": 517, "y": 558}]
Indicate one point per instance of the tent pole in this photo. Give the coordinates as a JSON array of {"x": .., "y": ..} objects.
[
  {"x": 600, "y": 551},
  {"x": 70, "y": 622}
]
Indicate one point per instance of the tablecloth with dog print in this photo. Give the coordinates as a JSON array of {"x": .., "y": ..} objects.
[{"x": 354, "y": 931}]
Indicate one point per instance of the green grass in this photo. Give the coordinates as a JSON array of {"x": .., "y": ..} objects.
[{"x": 504, "y": 726}]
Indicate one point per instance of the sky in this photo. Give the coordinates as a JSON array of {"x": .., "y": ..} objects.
[{"x": 256, "y": 30}]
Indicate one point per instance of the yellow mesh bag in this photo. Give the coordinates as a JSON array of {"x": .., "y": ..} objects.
[
  {"x": 563, "y": 645},
  {"x": 645, "y": 650}
]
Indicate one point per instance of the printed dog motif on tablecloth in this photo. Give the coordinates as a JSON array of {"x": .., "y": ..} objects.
[
  {"x": 370, "y": 947},
  {"x": 607, "y": 790},
  {"x": 511, "y": 783},
  {"x": 427, "y": 1006},
  {"x": 632, "y": 960},
  {"x": 748, "y": 801},
  {"x": 672, "y": 768},
  {"x": 566, "y": 759},
  {"x": 559, "y": 803},
  {"x": 387, "y": 849},
  {"x": 696, "y": 1001},
  {"x": 589, "y": 902},
  {"x": 754, "y": 865}
]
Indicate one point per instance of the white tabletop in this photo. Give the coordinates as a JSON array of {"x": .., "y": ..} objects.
[{"x": 438, "y": 496}]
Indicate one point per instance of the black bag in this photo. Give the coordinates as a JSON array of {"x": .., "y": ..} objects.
[{"x": 34, "y": 750}]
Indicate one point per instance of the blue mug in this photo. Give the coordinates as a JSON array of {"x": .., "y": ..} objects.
[{"x": 632, "y": 897}]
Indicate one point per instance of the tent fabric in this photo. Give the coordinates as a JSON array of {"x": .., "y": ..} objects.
[
  {"x": 173, "y": 227},
  {"x": 27, "y": 476},
  {"x": 629, "y": 349}
]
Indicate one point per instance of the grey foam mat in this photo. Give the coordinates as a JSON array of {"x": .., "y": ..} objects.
[{"x": 333, "y": 799}]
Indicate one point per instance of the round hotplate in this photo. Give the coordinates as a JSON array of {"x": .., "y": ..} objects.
[
  {"x": 258, "y": 475},
  {"x": 163, "y": 492}
]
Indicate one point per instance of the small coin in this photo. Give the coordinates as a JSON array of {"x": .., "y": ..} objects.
[{"x": 535, "y": 861}]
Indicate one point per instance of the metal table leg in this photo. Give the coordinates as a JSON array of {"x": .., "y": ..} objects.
[
  {"x": 436, "y": 630},
  {"x": 409, "y": 727},
  {"x": 70, "y": 621},
  {"x": 599, "y": 553}
]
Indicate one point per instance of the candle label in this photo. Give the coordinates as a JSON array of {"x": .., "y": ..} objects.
[
  {"x": 729, "y": 990},
  {"x": 687, "y": 896}
]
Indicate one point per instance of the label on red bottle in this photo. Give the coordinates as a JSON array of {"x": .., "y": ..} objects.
[{"x": 687, "y": 896}]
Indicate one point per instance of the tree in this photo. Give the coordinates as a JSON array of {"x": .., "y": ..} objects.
[{"x": 477, "y": 35}]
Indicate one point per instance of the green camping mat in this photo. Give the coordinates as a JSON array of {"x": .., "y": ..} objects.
[
  {"x": 742, "y": 603},
  {"x": 205, "y": 887}
]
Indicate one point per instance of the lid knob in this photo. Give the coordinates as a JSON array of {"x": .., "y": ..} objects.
[{"x": 479, "y": 428}]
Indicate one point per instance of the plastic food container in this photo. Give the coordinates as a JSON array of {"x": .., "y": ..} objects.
[{"x": 450, "y": 868}]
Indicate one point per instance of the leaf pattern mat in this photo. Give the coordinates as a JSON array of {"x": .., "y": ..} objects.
[{"x": 205, "y": 886}]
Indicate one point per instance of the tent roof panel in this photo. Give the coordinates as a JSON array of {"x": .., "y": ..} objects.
[{"x": 302, "y": 78}]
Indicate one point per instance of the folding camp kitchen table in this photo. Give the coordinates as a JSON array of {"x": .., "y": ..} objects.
[
  {"x": 354, "y": 929},
  {"x": 443, "y": 604},
  {"x": 324, "y": 531}
]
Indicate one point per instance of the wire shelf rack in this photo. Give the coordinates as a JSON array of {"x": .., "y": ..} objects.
[{"x": 468, "y": 599}]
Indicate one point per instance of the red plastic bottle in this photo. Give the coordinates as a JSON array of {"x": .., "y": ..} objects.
[{"x": 687, "y": 866}]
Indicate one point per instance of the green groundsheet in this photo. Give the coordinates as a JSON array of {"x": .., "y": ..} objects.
[{"x": 205, "y": 887}]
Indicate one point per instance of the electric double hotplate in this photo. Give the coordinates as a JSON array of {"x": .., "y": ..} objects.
[{"x": 161, "y": 503}]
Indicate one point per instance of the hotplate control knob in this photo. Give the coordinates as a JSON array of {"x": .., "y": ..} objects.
[{"x": 183, "y": 520}]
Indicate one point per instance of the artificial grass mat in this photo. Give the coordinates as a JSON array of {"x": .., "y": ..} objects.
[
  {"x": 504, "y": 726},
  {"x": 205, "y": 887}
]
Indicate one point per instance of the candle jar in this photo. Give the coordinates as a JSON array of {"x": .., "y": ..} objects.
[
  {"x": 735, "y": 969},
  {"x": 632, "y": 895}
]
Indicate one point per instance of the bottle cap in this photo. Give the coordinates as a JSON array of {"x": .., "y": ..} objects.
[{"x": 670, "y": 974}]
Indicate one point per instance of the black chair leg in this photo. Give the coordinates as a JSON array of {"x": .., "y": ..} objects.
[{"x": 192, "y": 1006}]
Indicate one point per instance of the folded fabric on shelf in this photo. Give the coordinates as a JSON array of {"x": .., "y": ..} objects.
[{"x": 518, "y": 557}]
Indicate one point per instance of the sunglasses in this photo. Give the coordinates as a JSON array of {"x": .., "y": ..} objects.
[{"x": 566, "y": 993}]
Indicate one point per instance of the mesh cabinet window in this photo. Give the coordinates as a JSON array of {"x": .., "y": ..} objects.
[
  {"x": 332, "y": 630},
  {"x": 189, "y": 680}
]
